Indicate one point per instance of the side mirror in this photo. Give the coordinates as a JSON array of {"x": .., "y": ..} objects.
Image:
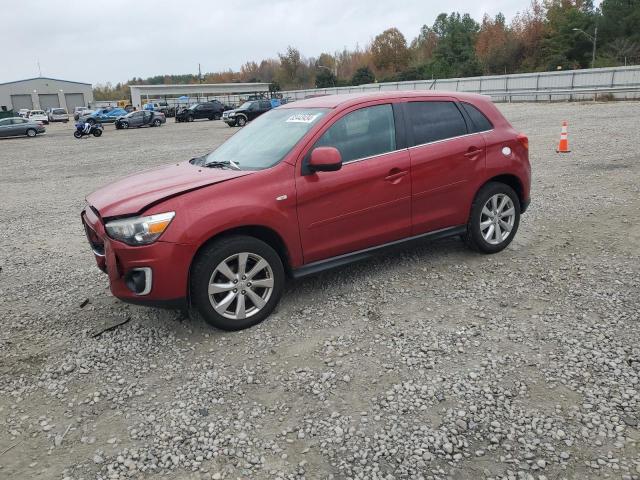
[{"x": 325, "y": 159}]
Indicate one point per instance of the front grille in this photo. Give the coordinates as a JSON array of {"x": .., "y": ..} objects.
[{"x": 97, "y": 245}]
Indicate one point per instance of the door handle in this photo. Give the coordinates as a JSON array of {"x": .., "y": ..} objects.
[
  {"x": 395, "y": 174},
  {"x": 473, "y": 152}
]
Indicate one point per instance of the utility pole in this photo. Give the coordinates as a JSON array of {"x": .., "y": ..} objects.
[
  {"x": 199, "y": 74},
  {"x": 39, "y": 70},
  {"x": 594, "y": 41}
]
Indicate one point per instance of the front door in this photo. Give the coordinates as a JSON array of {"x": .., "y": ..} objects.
[
  {"x": 444, "y": 160},
  {"x": 367, "y": 201}
]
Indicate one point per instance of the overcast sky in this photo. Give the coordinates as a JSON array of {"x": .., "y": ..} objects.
[{"x": 98, "y": 41}]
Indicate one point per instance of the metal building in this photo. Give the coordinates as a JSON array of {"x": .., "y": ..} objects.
[
  {"x": 204, "y": 91},
  {"x": 42, "y": 92}
]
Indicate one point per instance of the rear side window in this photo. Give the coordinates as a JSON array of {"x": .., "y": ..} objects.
[
  {"x": 364, "y": 133},
  {"x": 432, "y": 121},
  {"x": 480, "y": 122}
]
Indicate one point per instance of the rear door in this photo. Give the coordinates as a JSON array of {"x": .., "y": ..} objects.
[
  {"x": 444, "y": 158},
  {"x": 366, "y": 202},
  {"x": 6, "y": 127}
]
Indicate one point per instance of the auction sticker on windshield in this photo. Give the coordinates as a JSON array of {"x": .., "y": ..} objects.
[{"x": 303, "y": 117}]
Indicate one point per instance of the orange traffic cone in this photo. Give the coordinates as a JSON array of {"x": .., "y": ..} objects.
[{"x": 563, "y": 146}]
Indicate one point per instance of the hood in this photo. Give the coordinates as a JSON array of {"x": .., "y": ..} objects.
[{"x": 132, "y": 194}]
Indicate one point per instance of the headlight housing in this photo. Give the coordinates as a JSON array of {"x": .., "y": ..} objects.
[{"x": 139, "y": 230}]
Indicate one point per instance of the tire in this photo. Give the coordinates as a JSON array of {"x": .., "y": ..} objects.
[
  {"x": 157, "y": 122},
  {"x": 77, "y": 134},
  {"x": 480, "y": 235},
  {"x": 124, "y": 125},
  {"x": 217, "y": 116},
  {"x": 31, "y": 132},
  {"x": 190, "y": 118},
  {"x": 206, "y": 271},
  {"x": 97, "y": 132},
  {"x": 241, "y": 121}
]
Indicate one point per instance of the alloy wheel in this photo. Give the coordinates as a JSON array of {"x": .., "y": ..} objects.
[
  {"x": 241, "y": 285},
  {"x": 497, "y": 219}
]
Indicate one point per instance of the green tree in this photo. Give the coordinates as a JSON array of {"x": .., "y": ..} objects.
[
  {"x": 363, "y": 76},
  {"x": 325, "y": 78},
  {"x": 454, "y": 54}
]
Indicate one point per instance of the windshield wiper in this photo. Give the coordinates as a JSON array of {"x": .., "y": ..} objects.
[
  {"x": 223, "y": 164},
  {"x": 197, "y": 160}
]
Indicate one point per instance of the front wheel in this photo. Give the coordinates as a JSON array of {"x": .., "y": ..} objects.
[
  {"x": 77, "y": 134},
  {"x": 494, "y": 220},
  {"x": 236, "y": 282},
  {"x": 157, "y": 122},
  {"x": 190, "y": 118},
  {"x": 241, "y": 121},
  {"x": 97, "y": 132}
]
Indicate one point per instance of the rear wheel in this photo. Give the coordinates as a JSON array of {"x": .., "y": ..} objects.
[
  {"x": 494, "y": 220},
  {"x": 217, "y": 116},
  {"x": 31, "y": 132},
  {"x": 157, "y": 122},
  {"x": 236, "y": 282},
  {"x": 97, "y": 132}
]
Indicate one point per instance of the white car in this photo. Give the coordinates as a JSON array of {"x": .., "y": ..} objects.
[
  {"x": 38, "y": 116},
  {"x": 58, "y": 115},
  {"x": 23, "y": 112}
]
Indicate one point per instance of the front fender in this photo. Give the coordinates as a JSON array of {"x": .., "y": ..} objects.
[{"x": 264, "y": 199}]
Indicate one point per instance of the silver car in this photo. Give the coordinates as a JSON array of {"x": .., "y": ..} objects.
[{"x": 18, "y": 126}]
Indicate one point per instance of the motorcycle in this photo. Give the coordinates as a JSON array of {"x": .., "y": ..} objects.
[{"x": 85, "y": 129}]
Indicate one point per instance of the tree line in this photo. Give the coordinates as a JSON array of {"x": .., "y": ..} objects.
[{"x": 548, "y": 35}]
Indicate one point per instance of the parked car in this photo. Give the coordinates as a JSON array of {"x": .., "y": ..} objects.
[
  {"x": 103, "y": 115},
  {"x": 309, "y": 186},
  {"x": 38, "y": 116},
  {"x": 210, "y": 110},
  {"x": 18, "y": 126},
  {"x": 58, "y": 115},
  {"x": 80, "y": 111},
  {"x": 23, "y": 112},
  {"x": 142, "y": 118},
  {"x": 246, "y": 112}
]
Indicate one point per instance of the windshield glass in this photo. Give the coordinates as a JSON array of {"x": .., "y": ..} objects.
[
  {"x": 245, "y": 105},
  {"x": 266, "y": 140}
]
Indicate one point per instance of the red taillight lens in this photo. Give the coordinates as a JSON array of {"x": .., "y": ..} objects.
[{"x": 524, "y": 140}]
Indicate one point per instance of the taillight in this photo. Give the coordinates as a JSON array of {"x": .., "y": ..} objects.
[{"x": 524, "y": 140}]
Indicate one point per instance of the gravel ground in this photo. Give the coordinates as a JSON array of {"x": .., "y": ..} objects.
[{"x": 432, "y": 363}]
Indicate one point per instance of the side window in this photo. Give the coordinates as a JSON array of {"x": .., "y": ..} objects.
[
  {"x": 18, "y": 121},
  {"x": 265, "y": 105},
  {"x": 432, "y": 121},
  {"x": 363, "y": 133},
  {"x": 480, "y": 122},
  {"x": 5, "y": 122}
]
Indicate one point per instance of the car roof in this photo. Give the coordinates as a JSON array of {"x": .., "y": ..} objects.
[{"x": 348, "y": 99}]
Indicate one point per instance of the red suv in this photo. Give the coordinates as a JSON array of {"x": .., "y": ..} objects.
[{"x": 308, "y": 186}]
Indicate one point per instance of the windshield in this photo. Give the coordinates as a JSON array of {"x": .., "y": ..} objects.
[
  {"x": 245, "y": 105},
  {"x": 266, "y": 140}
]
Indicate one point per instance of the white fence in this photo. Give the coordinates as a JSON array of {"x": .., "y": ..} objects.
[{"x": 620, "y": 82}]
